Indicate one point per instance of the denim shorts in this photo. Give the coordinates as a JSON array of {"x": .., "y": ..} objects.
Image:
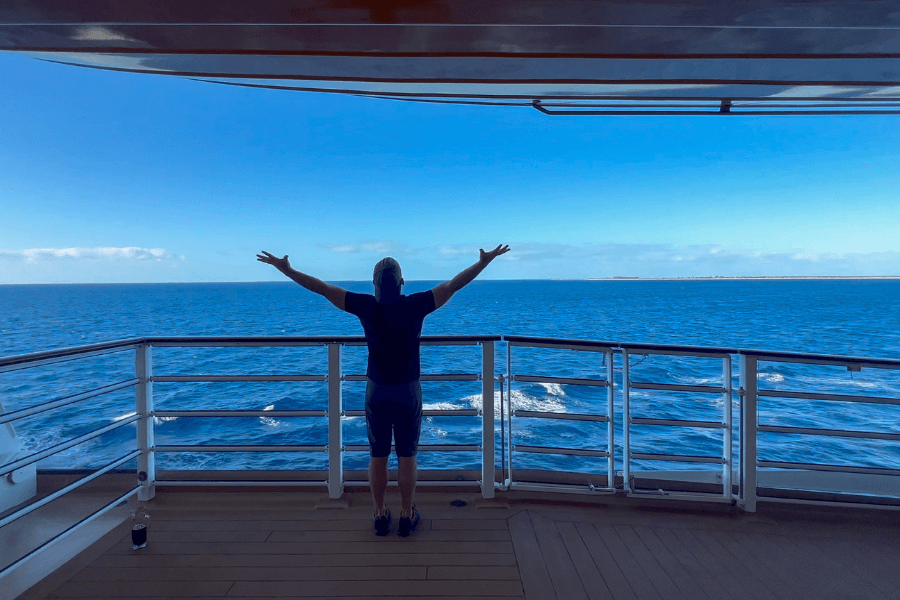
[{"x": 393, "y": 409}]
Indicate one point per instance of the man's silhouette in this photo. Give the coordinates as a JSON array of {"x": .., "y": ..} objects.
[{"x": 393, "y": 324}]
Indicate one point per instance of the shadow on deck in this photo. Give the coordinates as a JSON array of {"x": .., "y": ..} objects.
[{"x": 290, "y": 544}]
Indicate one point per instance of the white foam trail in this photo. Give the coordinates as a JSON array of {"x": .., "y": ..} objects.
[
  {"x": 520, "y": 400},
  {"x": 553, "y": 389},
  {"x": 441, "y": 406},
  {"x": 269, "y": 420},
  {"x": 772, "y": 377}
]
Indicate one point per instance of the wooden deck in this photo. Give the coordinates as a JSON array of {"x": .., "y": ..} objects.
[{"x": 300, "y": 545}]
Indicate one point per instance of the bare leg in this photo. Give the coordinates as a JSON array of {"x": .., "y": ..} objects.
[
  {"x": 406, "y": 478},
  {"x": 378, "y": 477}
]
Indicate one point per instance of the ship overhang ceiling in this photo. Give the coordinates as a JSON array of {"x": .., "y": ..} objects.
[{"x": 560, "y": 56}]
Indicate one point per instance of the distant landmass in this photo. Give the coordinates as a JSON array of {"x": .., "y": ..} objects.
[{"x": 743, "y": 278}]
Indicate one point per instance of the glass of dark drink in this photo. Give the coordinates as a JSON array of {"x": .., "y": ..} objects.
[{"x": 140, "y": 522}]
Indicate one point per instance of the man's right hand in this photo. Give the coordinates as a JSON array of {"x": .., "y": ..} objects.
[
  {"x": 281, "y": 264},
  {"x": 486, "y": 257}
]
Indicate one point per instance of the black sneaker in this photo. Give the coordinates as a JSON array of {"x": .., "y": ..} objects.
[
  {"x": 408, "y": 525},
  {"x": 383, "y": 524}
]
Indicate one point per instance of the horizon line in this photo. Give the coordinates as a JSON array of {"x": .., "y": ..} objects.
[{"x": 614, "y": 278}]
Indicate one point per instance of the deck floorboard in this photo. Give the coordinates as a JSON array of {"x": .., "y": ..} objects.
[{"x": 280, "y": 545}]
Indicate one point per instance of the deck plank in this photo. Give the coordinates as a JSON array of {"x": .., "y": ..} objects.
[
  {"x": 649, "y": 563},
  {"x": 775, "y": 584},
  {"x": 161, "y": 561},
  {"x": 594, "y": 584},
  {"x": 438, "y": 536},
  {"x": 672, "y": 567},
  {"x": 375, "y": 546},
  {"x": 772, "y": 555},
  {"x": 821, "y": 568},
  {"x": 865, "y": 562},
  {"x": 745, "y": 576},
  {"x": 630, "y": 565},
  {"x": 615, "y": 579},
  {"x": 732, "y": 584},
  {"x": 375, "y": 588},
  {"x": 304, "y": 573},
  {"x": 692, "y": 566},
  {"x": 536, "y": 582},
  {"x": 563, "y": 574}
]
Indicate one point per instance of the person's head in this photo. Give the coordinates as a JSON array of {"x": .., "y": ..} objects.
[{"x": 387, "y": 279}]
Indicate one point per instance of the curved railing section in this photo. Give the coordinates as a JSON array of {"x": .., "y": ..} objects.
[{"x": 631, "y": 411}]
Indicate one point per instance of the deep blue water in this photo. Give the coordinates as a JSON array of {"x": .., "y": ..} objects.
[{"x": 859, "y": 318}]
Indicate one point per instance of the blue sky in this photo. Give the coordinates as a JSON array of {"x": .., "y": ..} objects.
[{"x": 118, "y": 177}]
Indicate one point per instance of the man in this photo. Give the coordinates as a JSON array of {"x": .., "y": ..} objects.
[{"x": 393, "y": 324}]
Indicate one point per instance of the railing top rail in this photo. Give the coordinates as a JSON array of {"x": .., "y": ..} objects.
[
  {"x": 73, "y": 352},
  {"x": 676, "y": 349},
  {"x": 562, "y": 342},
  {"x": 802, "y": 357},
  {"x": 255, "y": 340},
  {"x": 282, "y": 340},
  {"x": 24, "y": 360}
]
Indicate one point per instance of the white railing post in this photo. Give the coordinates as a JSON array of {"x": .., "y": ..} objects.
[
  {"x": 626, "y": 422},
  {"x": 611, "y": 424},
  {"x": 487, "y": 413},
  {"x": 748, "y": 433},
  {"x": 335, "y": 435},
  {"x": 728, "y": 417},
  {"x": 143, "y": 367}
]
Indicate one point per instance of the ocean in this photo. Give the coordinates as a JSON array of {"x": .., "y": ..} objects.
[{"x": 842, "y": 317}]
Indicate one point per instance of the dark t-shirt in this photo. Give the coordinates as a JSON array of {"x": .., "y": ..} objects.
[{"x": 392, "y": 333}]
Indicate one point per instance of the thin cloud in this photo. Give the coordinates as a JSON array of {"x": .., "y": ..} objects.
[
  {"x": 381, "y": 247},
  {"x": 109, "y": 253},
  {"x": 568, "y": 261}
]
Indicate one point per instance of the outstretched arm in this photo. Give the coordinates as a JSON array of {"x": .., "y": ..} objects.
[
  {"x": 443, "y": 291},
  {"x": 333, "y": 293}
]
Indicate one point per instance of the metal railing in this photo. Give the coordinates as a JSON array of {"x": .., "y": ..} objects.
[{"x": 613, "y": 369}]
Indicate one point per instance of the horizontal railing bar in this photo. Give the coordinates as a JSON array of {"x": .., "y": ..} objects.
[
  {"x": 677, "y": 350},
  {"x": 422, "y": 448},
  {"x": 420, "y": 483},
  {"x": 562, "y": 344},
  {"x": 837, "y": 503},
  {"x": 24, "y": 462},
  {"x": 426, "y": 377},
  {"x": 428, "y": 412},
  {"x": 225, "y": 483},
  {"x": 229, "y": 378},
  {"x": 678, "y": 458},
  {"x": 560, "y": 380},
  {"x": 559, "y": 487},
  {"x": 69, "y": 531},
  {"x": 261, "y": 341},
  {"x": 834, "y": 397},
  {"x": 24, "y": 361},
  {"x": 239, "y": 413},
  {"x": 72, "y": 486},
  {"x": 236, "y": 448},
  {"x": 831, "y": 468},
  {"x": 559, "y": 415},
  {"x": 824, "y": 359},
  {"x": 673, "y": 495},
  {"x": 672, "y": 387},
  {"x": 677, "y": 423},
  {"x": 872, "y": 435},
  {"x": 282, "y": 341},
  {"x": 52, "y": 404},
  {"x": 554, "y": 450}
]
